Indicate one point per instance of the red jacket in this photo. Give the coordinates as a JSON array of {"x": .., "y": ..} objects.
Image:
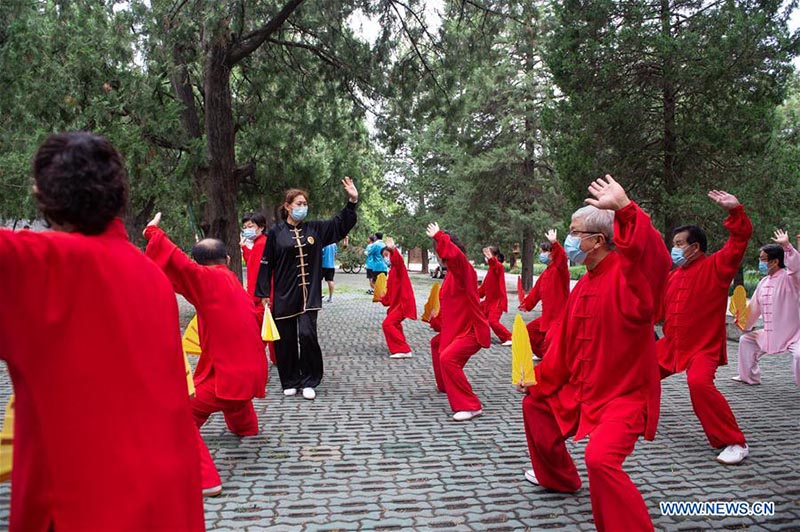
[
  {"x": 104, "y": 437},
  {"x": 493, "y": 287},
  {"x": 697, "y": 299},
  {"x": 603, "y": 356},
  {"x": 460, "y": 312},
  {"x": 551, "y": 288},
  {"x": 252, "y": 259},
  {"x": 230, "y": 335},
  {"x": 399, "y": 292}
]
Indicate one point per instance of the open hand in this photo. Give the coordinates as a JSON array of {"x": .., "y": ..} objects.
[
  {"x": 433, "y": 228},
  {"x": 487, "y": 253},
  {"x": 723, "y": 199},
  {"x": 155, "y": 222},
  {"x": 551, "y": 235},
  {"x": 389, "y": 241},
  {"x": 350, "y": 188},
  {"x": 608, "y": 194},
  {"x": 781, "y": 238}
]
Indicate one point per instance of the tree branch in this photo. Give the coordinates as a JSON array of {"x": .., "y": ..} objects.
[
  {"x": 254, "y": 39},
  {"x": 332, "y": 61}
]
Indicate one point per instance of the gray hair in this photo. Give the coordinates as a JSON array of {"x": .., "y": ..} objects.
[{"x": 597, "y": 220}]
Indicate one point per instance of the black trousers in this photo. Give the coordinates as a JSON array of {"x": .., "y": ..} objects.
[{"x": 301, "y": 369}]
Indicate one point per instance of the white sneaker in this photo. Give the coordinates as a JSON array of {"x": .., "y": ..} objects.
[
  {"x": 739, "y": 379},
  {"x": 466, "y": 415},
  {"x": 288, "y": 392},
  {"x": 733, "y": 454},
  {"x": 402, "y": 355},
  {"x": 309, "y": 393},
  {"x": 507, "y": 342},
  {"x": 212, "y": 492},
  {"x": 530, "y": 476}
]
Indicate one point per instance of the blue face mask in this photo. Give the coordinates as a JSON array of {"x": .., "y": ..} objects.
[
  {"x": 677, "y": 256},
  {"x": 572, "y": 245},
  {"x": 299, "y": 213},
  {"x": 762, "y": 267},
  {"x": 387, "y": 262},
  {"x": 249, "y": 233},
  {"x": 544, "y": 258}
]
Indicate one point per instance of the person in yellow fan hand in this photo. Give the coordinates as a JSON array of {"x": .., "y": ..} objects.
[{"x": 290, "y": 282}]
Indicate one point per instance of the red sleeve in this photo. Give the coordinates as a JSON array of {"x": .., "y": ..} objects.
[
  {"x": 436, "y": 323},
  {"x": 558, "y": 260},
  {"x": 482, "y": 286},
  {"x": 457, "y": 262},
  {"x": 728, "y": 259},
  {"x": 183, "y": 272},
  {"x": 246, "y": 253},
  {"x": 645, "y": 262}
]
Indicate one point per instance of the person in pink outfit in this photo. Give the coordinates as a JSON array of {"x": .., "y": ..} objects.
[{"x": 776, "y": 300}]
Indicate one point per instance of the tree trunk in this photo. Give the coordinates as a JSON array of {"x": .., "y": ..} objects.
[
  {"x": 223, "y": 185},
  {"x": 669, "y": 106},
  {"x": 528, "y": 251},
  {"x": 425, "y": 261}
]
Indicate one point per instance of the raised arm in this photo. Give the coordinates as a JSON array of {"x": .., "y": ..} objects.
[
  {"x": 335, "y": 229},
  {"x": 791, "y": 258},
  {"x": 183, "y": 272},
  {"x": 727, "y": 260}
]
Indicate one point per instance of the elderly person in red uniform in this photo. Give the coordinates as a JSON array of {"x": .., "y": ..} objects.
[
  {"x": 600, "y": 377},
  {"x": 464, "y": 327},
  {"x": 399, "y": 297},
  {"x": 233, "y": 367},
  {"x": 697, "y": 293},
  {"x": 103, "y": 431},
  {"x": 254, "y": 238},
  {"x": 493, "y": 292},
  {"x": 552, "y": 289}
]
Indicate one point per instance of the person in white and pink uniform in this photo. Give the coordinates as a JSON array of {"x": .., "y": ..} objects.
[{"x": 776, "y": 300}]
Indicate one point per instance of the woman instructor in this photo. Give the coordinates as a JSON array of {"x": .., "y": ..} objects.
[{"x": 289, "y": 281}]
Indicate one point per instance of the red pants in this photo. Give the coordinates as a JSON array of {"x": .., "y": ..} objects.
[
  {"x": 393, "y": 331},
  {"x": 710, "y": 406},
  {"x": 452, "y": 360},
  {"x": 616, "y": 503},
  {"x": 538, "y": 337},
  {"x": 437, "y": 369},
  {"x": 493, "y": 315},
  {"x": 240, "y": 416}
]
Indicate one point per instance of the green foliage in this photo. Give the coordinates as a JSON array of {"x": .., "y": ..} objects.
[{"x": 675, "y": 98}]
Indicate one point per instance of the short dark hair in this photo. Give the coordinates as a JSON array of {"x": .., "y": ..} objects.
[
  {"x": 455, "y": 240},
  {"x": 209, "y": 252},
  {"x": 774, "y": 251},
  {"x": 257, "y": 218},
  {"x": 371, "y": 238},
  {"x": 379, "y": 236},
  {"x": 80, "y": 180},
  {"x": 545, "y": 246},
  {"x": 696, "y": 236},
  {"x": 496, "y": 252}
]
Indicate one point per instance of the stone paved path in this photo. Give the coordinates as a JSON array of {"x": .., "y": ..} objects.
[{"x": 377, "y": 449}]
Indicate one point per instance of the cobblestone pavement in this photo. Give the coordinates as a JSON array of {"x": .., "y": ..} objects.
[{"x": 377, "y": 449}]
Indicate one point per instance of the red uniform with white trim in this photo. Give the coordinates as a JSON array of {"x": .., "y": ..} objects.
[
  {"x": 464, "y": 327},
  {"x": 103, "y": 433},
  {"x": 495, "y": 298},
  {"x": 695, "y": 338},
  {"x": 399, "y": 297},
  {"x": 600, "y": 376},
  {"x": 552, "y": 289},
  {"x": 233, "y": 367}
]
